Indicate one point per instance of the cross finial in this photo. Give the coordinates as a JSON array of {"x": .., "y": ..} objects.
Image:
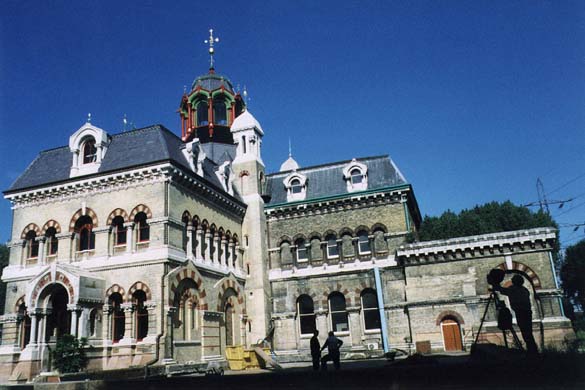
[
  {"x": 211, "y": 41},
  {"x": 89, "y": 117}
]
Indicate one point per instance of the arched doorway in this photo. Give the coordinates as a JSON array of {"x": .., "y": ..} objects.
[
  {"x": 55, "y": 301},
  {"x": 451, "y": 334}
]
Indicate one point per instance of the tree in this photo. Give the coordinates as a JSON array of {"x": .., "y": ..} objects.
[
  {"x": 69, "y": 354},
  {"x": 573, "y": 273}
]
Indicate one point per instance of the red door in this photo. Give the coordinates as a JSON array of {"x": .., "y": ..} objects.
[{"x": 451, "y": 335}]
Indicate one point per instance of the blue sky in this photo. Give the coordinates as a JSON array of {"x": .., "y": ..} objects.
[{"x": 473, "y": 100}]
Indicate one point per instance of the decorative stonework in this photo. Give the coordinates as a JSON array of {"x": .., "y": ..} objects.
[
  {"x": 189, "y": 272},
  {"x": 534, "y": 279},
  {"x": 81, "y": 212},
  {"x": 28, "y": 228},
  {"x": 117, "y": 213},
  {"x": 140, "y": 209},
  {"x": 136, "y": 287},
  {"x": 51, "y": 224},
  {"x": 115, "y": 289}
]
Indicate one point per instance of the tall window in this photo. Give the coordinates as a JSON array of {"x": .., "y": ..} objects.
[
  {"x": 219, "y": 112},
  {"x": 332, "y": 250},
  {"x": 295, "y": 186},
  {"x": 363, "y": 243},
  {"x": 338, "y": 313},
  {"x": 306, "y": 313},
  {"x": 202, "y": 113},
  {"x": 32, "y": 245},
  {"x": 84, "y": 228},
  {"x": 141, "y": 314},
  {"x": 119, "y": 231},
  {"x": 142, "y": 227},
  {"x": 301, "y": 252},
  {"x": 89, "y": 151},
  {"x": 229, "y": 324},
  {"x": 24, "y": 326},
  {"x": 370, "y": 311},
  {"x": 52, "y": 241},
  {"x": 356, "y": 176},
  {"x": 118, "y": 319}
]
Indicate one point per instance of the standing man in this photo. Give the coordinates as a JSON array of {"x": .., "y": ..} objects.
[
  {"x": 315, "y": 350},
  {"x": 333, "y": 344},
  {"x": 520, "y": 302}
]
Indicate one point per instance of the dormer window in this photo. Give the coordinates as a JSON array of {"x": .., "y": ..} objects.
[
  {"x": 89, "y": 151},
  {"x": 296, "y": 187},
  {"x": 356, "y": 176}
]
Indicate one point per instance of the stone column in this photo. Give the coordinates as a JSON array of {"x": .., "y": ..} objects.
[
  {"x": 169, "y": 337},
  {"x": 42, "y": 325},
  {"x": 33, "y": 327},
  {"x": 238, "y": 257},
  {"x": 129, "y": 327},
  {"x": 150, "y": 306},
  {"x": 224, "y": 255},
  {"x": 42, "y": 241},
  {"x": 216, "y": 249},
  {"x": 232, "y": 256},
  {"x": 129, "y": 237},
  {"x": 23, "y": 253},
  {"x": 107, "y": 324},
  {"x": 189, "y": 244},
  {"x": 207, "y": 246},
  {"x": 199, "y": 244},
  {"x": 75, "y": 312}
]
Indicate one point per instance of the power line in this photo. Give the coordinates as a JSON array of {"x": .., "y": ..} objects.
[
  {"x": 567, "y": 183},
  {"x": 571, "y": 209}
]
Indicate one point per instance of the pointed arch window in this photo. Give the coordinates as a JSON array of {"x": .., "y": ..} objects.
[
  {"x": 89, "y": 151},
  {"x": 219, "y": 111},
  {"x": 119, "y": 231},
  {"x": 301, "y": 250},
  {"x": 118, "y": 318},
  {"x": 142, "y": 227},
  {"x": 86, "y": 236},
  {"x": 338, "y": 312},
  {"x": 141, "y": 313},
  {"x": 306, "y": 314},
  {"x": 370, "y": 311},
  {"x": 364, "y": 243},
  {"x": 25, "y": 323},
  {"x": 32, "y": 245},
  {"x": 52, "y": 241},
  {"x": 202, "y": 113}
]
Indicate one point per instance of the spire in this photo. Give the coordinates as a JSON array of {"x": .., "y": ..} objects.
[
  {"x": 290, "y": 164},
  {"x": 211, "y": 41},
  {"x": 289, "y": 148}
]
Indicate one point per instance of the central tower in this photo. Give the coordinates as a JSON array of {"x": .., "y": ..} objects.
[{"x": 208, "y": 110}]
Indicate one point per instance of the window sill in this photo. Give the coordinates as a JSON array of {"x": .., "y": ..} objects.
[
  {"x": 332, "y": 257},
  {"x": 306, "y": 336},
  {"x": 372, "y": 331},
  {"x": 365, "y": 253},
  {"x": 342, "y": 333}
]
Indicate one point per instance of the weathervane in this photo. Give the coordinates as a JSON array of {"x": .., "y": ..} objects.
[{"x": 211, "y": 41}]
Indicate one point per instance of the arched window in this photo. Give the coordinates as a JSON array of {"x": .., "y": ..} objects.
[
  {"x": 118, "y": 319},
  {"x": 202, "y": 113},
  {"x": 24, "y": 326},
  {"x": 86, "y": 236},
  {"x": 89, "y": 151},
  {"x": 142, "y": 227},
  {"x": 332, "y": 249},
  {"x": 364, "y": 243},
  {"x": 94, "y": 320},
  {"x": 119, "y": 231},
  {"x": 295, "y": 186},
  {"x": 356, "y": 176},
  {"x": 219, "y": 112},
  {"x": 32, "y": 245},
  {"x": 370, "y": 311},
  {"x": 301, "y": 251},
  {"x": 306, "y": 313},
  {"x": 141, "y": 320},
  {"x": 338, "y": 313},
  {"x": 285, "y": 254},
  {"x": 52, "y": 241}
]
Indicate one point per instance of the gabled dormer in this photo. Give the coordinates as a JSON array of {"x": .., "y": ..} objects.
[
  {"x": 296, "y": 186},
  {"x": 356, "y": 176},
  {"x": 88, "y": 146}
]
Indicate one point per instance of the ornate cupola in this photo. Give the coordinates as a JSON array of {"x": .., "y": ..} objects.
[{"x": 211, "y": 106}]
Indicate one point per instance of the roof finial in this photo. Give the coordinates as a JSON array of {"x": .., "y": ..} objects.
[
  {"x": 89, "y": 117},
  {"x": 125, "y": 121},
  {"x": 211, "y": 41},
  {"x": 289, "y": 148},
  {"x": 245, "y": 96}
]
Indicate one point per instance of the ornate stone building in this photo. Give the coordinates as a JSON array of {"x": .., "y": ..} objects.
[{"x": 163, "y": 249}]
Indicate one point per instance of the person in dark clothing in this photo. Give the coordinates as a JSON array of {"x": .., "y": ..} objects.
[
  {"x": 333, "y": 344},
  {"x": 520, "y": 302},
  {"x": 315, "y": 350}
]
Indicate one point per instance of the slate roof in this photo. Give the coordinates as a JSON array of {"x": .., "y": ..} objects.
[
  {"x": 327, "y": 180},
  {"x": 212, "y": 81},
  {"x": 134, "y": 148}
]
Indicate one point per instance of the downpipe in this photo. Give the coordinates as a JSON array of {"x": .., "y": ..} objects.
[{"x": 380, "y": 295}]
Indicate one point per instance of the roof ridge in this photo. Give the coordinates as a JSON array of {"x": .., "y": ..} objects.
[{"x": 333, "y": 164}]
